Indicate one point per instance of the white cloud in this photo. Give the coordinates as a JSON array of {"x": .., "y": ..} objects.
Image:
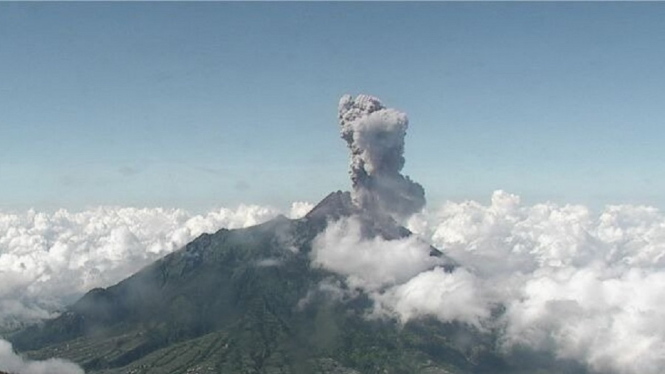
[
  {"x": 454, "y": 296},
  {"x": 587, "y": 286},
  {"x": 370, "y": 264},
  {"x": 299, "y": 209},
  {"x": 49, "y": 260},
  {"x": 399, "y": 275},
  {"x": 12, "y": 363},
  {"x": 590, "y": 287}
]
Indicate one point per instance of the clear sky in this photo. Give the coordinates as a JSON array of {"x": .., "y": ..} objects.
[{"x": 198, "y": 105}]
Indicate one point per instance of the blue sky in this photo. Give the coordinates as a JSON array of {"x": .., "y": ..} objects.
[{"x": 198, "y": 105}]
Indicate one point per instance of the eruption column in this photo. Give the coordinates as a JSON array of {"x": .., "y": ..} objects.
[{"x": 375, "y": 135}]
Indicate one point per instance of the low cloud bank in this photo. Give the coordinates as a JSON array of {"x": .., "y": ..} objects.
[
  {"x": 586, "y": 287},
  {"x": 49, "y": 260},
  {"x": 12, "y": 363}
]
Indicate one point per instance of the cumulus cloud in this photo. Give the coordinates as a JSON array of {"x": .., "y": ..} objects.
[
  {"x": 375, "y": 136},
  {"x": 12, "y": 363},
  {"x": 401, "y": 276},
  {"x": 49, "y": 260},
  {"x": 299, "y": 209},
  {"x": 585, "y": 286},
  {"x": 373, "y": 263},
  {"x": 589, "y": 287},
  {"x": 449, "y": 296}
]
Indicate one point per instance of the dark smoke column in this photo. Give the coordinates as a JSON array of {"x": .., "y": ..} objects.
[{"x": 375, "y": 135}]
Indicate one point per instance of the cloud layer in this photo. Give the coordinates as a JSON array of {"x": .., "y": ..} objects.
[
  {"x": 49, "y": 260},
  {"x": 586, "y": 287},
  {"x": 12, "y": 363}
]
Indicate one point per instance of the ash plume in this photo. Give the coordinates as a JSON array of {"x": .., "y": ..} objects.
[{"x": 375, "y": 135}]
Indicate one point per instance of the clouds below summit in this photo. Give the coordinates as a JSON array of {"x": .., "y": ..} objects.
[
  {"x": 584, "y": 286},
  {"x": 371, "y": 264},
  {"x": 588, "y": 287},
  {"x": 13, "y": 363},
  {"x": 49, "y": 260}
]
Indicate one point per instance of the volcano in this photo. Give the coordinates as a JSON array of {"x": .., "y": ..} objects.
[
  {"x": 255, "y": 300},
  {"x": 234, "y": 302},
  {"x": 250, "y": 301}
]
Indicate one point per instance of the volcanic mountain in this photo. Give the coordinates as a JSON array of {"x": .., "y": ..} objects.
[
  {"x": 265, "y": 300},
  {"x": 250, "y": 301}
]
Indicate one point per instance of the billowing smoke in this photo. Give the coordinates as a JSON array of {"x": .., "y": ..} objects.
[
  {"x": 375, "y": 136},
  {"x": 10, "y": 362},
  {"x": 49, "y": 260},
  {"x": 587, "y": 287}
]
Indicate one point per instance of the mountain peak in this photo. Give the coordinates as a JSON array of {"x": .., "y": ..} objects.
[{"x": 334, "y": 206}]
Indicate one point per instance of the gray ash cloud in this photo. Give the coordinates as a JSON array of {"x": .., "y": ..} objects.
[{"x": 375, "y": 136}]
